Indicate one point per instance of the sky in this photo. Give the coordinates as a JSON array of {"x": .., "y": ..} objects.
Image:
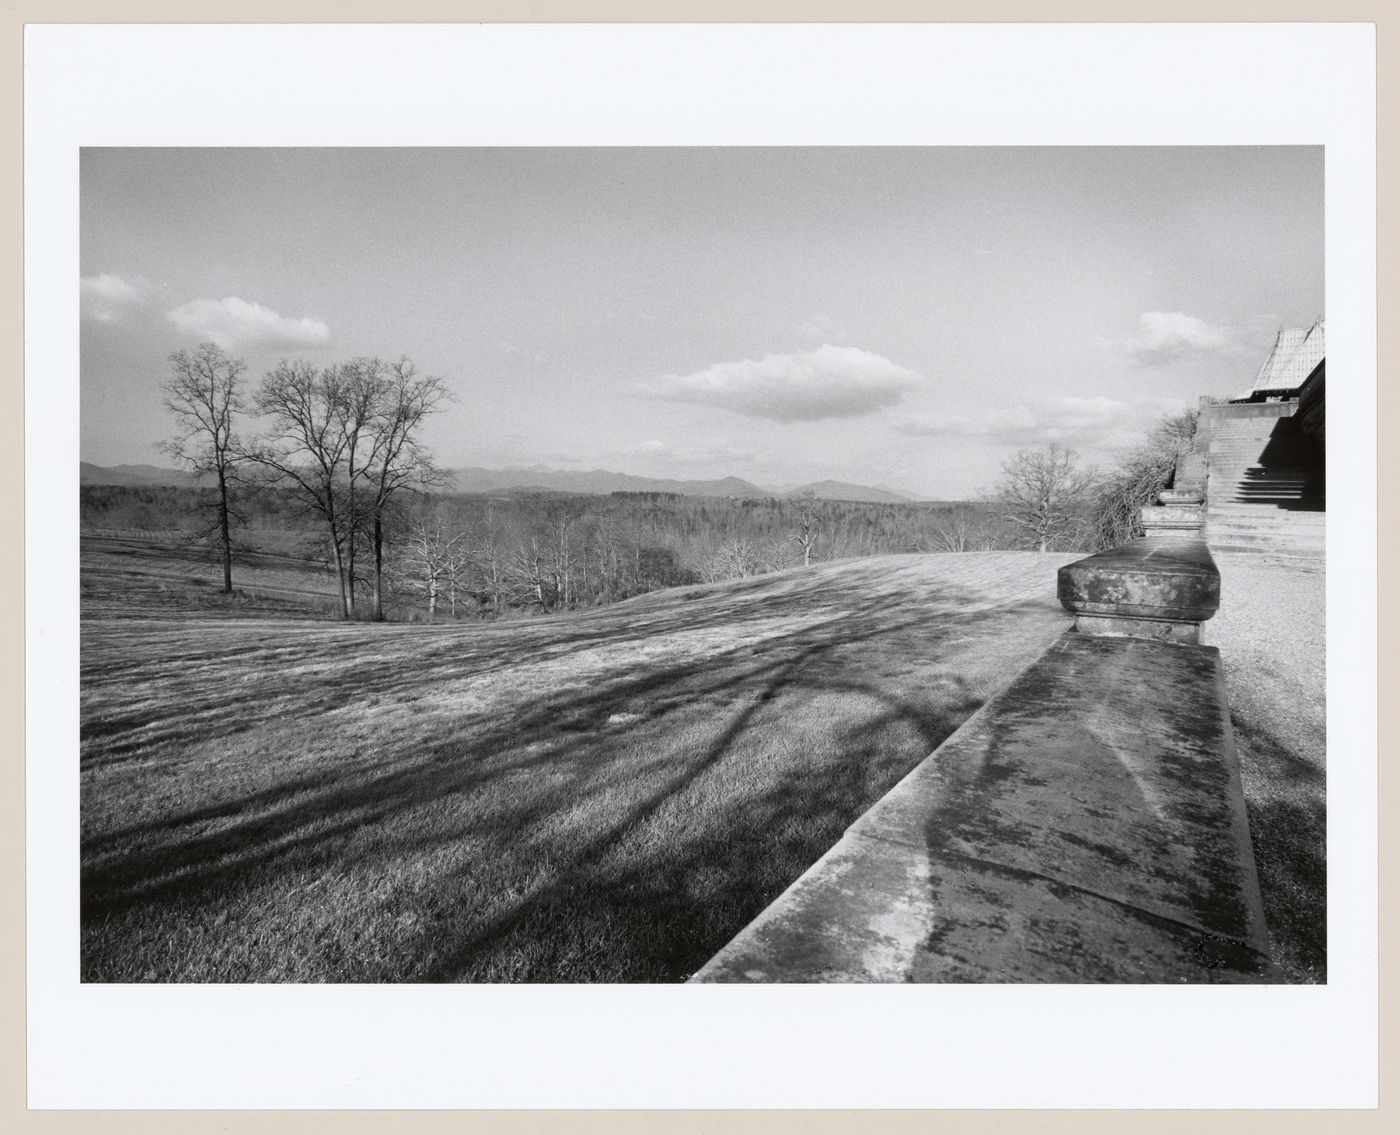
[{"x": 905, "y": 317}]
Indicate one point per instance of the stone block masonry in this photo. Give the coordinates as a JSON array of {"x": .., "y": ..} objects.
[{"x": 1160, "y": 587}]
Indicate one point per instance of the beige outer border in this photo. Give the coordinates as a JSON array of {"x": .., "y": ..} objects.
[{"x": 15, "y": 13}]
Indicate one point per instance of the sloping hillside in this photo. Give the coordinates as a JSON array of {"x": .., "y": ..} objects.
[{"x": 599, "y": 797}]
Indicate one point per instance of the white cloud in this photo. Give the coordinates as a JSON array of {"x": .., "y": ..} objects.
[
  {"x": 830, "y": 382},
  {"x": 107, "y": 297},
  {"x": 233, "y": 323},
  {"x": 1089, "y": 423},
  {"x": 1165, "y": 336}
]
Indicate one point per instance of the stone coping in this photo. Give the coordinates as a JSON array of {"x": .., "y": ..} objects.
[
  {"x": 1171, "y": 578},
  {"x": 1085, "y": 825},
  {"x": 1173, "y": 516},
  {"x": 1182, "y": 496}
]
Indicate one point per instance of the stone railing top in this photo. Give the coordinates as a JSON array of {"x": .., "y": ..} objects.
[
  {"x": 1153, "y": 578},
  {"x": 1086, "y": 825}
]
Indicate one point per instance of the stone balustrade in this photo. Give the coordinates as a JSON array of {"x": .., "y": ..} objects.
[{"x": 1087, "y": 824}]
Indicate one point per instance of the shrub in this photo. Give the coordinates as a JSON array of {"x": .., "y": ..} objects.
[{"x": 1137, "y": 478}]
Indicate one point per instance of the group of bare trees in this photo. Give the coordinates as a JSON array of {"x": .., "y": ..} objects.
[
  {"x": 344, "y": 439},
  {"x": 496, "y": 557},
  {"x": 1055, "y": 504},
  {"x": 559, "y": 554}
]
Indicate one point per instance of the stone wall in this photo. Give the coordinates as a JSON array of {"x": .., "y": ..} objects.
[{"x": 1085, "y": 825}]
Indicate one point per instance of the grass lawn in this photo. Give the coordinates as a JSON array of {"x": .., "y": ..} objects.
[
  {"x": 608, "y": 796},
  {"x": 1272, "y": 635}
]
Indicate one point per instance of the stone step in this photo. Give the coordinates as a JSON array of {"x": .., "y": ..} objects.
[
  {"x": 1262, "y": 477},
  {"x": 1247, "y": 492},
  {"x": 1312, "y": 560},
  {"x": 1268, "y": 515},
  {"x": 1299, "y": 522},
  {"x": 1269, "y": 531},
  {"x": 1262, "y": 484},
  {"x": 1247, "y": 477},
  {"x": 1253, "y": 456},
  {"x": 1277, "y": 454},
  {"x": 1272, "y": 501},
  {"x": 1253, "y": 468},
  {"x": 1244, "y": 508},
  {"x": 1234, "y": 541},
  {"x": 1247, "y": 489},
  {"x": 1316, "y": 556}
]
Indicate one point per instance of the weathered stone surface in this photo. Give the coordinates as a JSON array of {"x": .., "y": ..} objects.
[
  {"x": 1180, "y": 495},
  {"x": 1158, "y": 630},
  {"x": 1179, "y": 515},
  {"x": 1151, "y": 578},
  {"x": 1173, "y": 520},
  {"x": 1086, "y": 825},
  {"x": 1191, "y": 469}
]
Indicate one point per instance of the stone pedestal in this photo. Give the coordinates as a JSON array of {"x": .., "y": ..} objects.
[
  {"x": 1180, "y": 513},
  {"x": 1161, "y": 587}
]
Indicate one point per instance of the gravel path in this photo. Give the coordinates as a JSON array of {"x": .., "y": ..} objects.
[{"x": 1271, "y": 631}]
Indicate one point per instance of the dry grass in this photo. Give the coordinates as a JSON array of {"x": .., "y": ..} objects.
[{"x": 599, "y": 797}]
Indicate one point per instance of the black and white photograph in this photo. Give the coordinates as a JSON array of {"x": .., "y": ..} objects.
[
  {"x": 703, "y": 564},
  {"x": 587, "y": 566}
]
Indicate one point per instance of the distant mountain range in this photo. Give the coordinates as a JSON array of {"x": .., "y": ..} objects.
[
  {"x": 540, "y": 478},
  {"x": 601, "y": 481}
]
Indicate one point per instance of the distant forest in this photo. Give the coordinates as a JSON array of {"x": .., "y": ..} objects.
[{"x": 491, "y": 556}]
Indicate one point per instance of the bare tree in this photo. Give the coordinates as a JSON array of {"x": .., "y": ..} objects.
[
  {"x": 433, "y": 561},
  {"x": 560, "y": 522},
  {"x": 307, "y": 451},
  {"x": 806, "y": 535},
  {"x": 952, "y": 532},
  {"x": 203, "y": 392},
  {"x": 775, "y": 555},
  {"x": 528, "y": 572},
  {"x": 392, "y": 402},
  {"x": 489, "y": 559},
  {"x": 1044, "y": 494},
  {"x": 734, "y": 557}
]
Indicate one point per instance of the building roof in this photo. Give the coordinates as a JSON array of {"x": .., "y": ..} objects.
[{"x": 1296, "y": 353}]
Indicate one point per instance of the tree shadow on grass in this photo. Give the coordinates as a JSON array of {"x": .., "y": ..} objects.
[
  {"x": 1288, "y": 827},
  {"x": 649, "y": 892}
]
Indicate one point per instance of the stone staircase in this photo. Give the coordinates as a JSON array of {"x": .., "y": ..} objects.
[{"x": 1266, "y": 485}]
